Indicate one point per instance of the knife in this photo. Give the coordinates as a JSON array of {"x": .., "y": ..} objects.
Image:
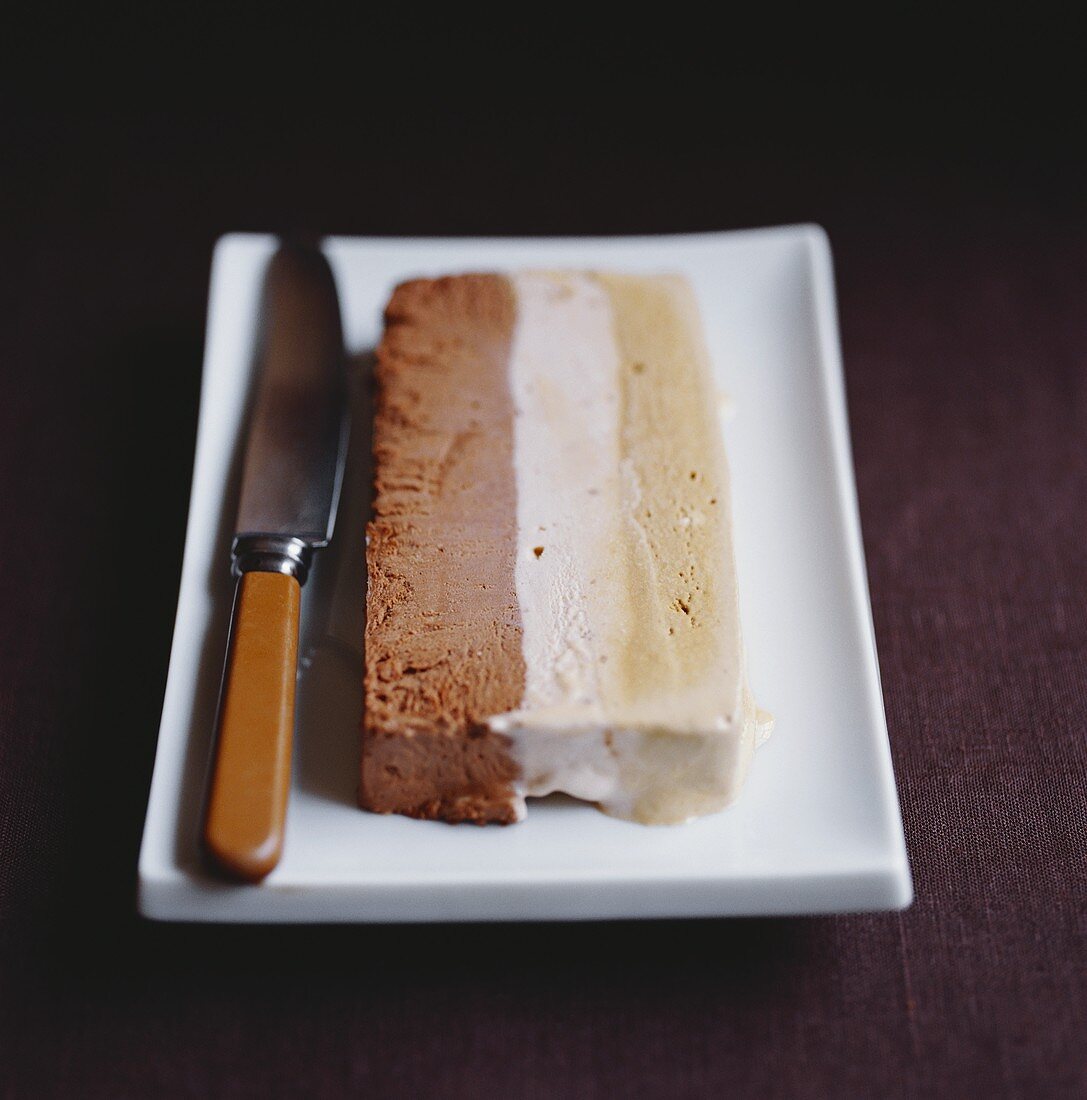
[{"x": 294, "y": 462}]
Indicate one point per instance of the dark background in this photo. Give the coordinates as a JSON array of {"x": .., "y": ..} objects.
[{"x": 947, "y": 164}]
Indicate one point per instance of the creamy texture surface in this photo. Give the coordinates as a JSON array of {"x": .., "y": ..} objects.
[
  {"x": 635, "y": 692},
  {"x": 564, "y": 382},
  {"x": 551, "y": 598}
]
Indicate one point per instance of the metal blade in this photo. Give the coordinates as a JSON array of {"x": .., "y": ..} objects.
[{"x": 298, "y": 431}]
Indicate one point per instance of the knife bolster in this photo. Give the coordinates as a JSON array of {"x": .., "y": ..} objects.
[{"x": 272, "y": 554}]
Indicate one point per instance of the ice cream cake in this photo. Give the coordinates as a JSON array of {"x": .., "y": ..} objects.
[{"x": 552, "y": 600}]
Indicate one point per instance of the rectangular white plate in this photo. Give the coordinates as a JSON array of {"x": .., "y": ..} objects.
[{"x": 817, "y": 827}]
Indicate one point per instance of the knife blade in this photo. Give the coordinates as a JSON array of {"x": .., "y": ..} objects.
[{"x": 293, "y": 469}]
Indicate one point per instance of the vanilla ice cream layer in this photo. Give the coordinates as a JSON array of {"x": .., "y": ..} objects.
[{"x": 635, "y": 692}]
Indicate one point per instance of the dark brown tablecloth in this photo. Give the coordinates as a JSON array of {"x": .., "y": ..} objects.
[{"x": 962, "y": 268}]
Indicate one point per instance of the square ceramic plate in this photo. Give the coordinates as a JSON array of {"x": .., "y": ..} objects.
[{"x": 817, "y": 827}]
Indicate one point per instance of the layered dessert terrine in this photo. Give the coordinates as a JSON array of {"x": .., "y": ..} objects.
[{"x": 552, "y": 601}]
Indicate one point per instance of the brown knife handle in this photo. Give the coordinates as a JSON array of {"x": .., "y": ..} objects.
[{"x": 247, "y": 805}]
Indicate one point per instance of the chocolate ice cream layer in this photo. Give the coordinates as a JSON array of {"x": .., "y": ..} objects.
[{"x": 443, "y": 628}]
